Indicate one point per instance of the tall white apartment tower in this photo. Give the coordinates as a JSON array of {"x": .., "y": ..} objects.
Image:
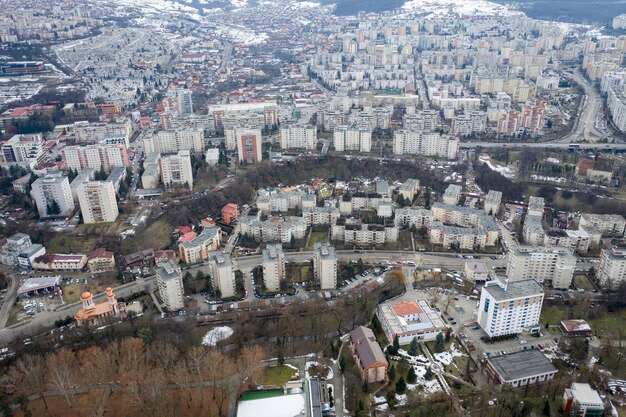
[
  {"x": 97, "y": 201},
  {"x": 176, "y": 170},
  {"x": 183, "y": 99},
  {"x": 222, "y": 274},
  {"x": 170, "y": 283},
  {"x": 509, "y": 307},
  {"x": 325, "y": 265},
  {"x": 612, "y": 267},
  {"x": 49, "y": 189},
  {"x": 352, "y": 138},
  {"x": 273, "y": 267}
]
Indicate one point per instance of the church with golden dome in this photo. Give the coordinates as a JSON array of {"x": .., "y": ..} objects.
[{"x": 93, "y": 313}]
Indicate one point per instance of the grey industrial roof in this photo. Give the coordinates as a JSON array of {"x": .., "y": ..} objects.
[{"x": 523, "y": 364}]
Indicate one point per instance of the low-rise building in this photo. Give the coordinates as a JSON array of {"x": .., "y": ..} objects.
[
  {"x": 587, "y": 400},
  {"x": 522, "y": 368},
  {"x": 320, "y": 215},
  {"x": 230, "y": 212},
  {"x": 100, "y": 260},
  {"x": 15, "y": 244},
  {"x": 404, "y": 320},
  {"x": 56, "y": 262},
  {"x": 577, "y": 327},
  {"x": 197, "y": 248},
  {"x": 368, "y": 355},
  {"x": 476, "y": 271},
  {"x": 274, "y": 229},
  {"x": 409, "y": 189},
  {"x": 27, "y": 256},
  {"x": 411, "y": 216}
]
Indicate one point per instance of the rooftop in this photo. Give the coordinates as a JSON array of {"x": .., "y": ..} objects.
[
  {"x": 367, "y": 348},
  {"x": 500, "y": 291},
  {"x": 522, "y": 364}
]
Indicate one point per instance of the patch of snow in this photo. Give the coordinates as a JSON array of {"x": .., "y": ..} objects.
[
  {"x": 502, "y": 170},
  {"x": 460, "y": 7},
  {"x": 283, "y": 406},
  {"x": 553, "y": 160},
  {"x": 402, "y": 399},
  {"x": 216, "y": 335},
  {"x": 443, "y": 357}
]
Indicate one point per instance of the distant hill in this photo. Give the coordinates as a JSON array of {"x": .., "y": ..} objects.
[{"x": 572, "y": 11}]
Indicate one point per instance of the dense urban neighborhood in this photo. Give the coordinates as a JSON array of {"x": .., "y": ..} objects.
[{"x": 291, "y": 208}]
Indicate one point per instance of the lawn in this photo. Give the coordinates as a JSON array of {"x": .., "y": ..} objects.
[
  {"x": 612, "y": 322},
  {"x": 276, "y": 376},
  {"x": 553, "y": 315},
  {"x": 257, "y": 395},
  {"x": 107, "y": 229},
  {"x": 582, "y": 282},
  {"x": 72, "y": 292},
  {"x": 15, "y": 310},
  {"x": 71, "y": 244},
  {"x": 317, "y": 237},
  {"x": 299, "y": 273},
  {"x": 157, "y": 236}
]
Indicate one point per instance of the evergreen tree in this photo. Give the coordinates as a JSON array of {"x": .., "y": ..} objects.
[
  {"x": 53, "y": 209},
  {"x": 396, "y": 345},
  {"x": 429, "y": 373},
  {"x": 414, "y": 348},
  {"x": 342, "y": 364},
  {"x": 392, "y": 373},
  {"x": 400, "y": 386},
  {"x": 411, "y": 377},
  {"x": 439, "y": 345},
  {"x": 546, "y": 408}
]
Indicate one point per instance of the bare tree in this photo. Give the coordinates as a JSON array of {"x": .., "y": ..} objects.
[
  {"x": 62, "y": 374},
  {"x": 164, "y": 355},
  {"x": 29, "y": 374},
  {"x": 196, "y": 360},
  {"x": 182, "y": 378}
]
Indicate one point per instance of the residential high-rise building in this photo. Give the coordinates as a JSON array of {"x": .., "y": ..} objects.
[
  {"x": 97, "y": 201},
  {"x": 427, "y": 144},
  {"x": 273, "y": 267},
  {"x": 97, "y": 157},
  {"x": 325, "y": 265},
  {"x": 555, "y": 264},
  {"x": 52, "y": 195},
  {"x": 151, "y": 171},
  {"x": 352, "y": 138},
  {"x": 199, "y": 248},
  {"x": 185, "y": 104},
  {"x": 222, "y": 274},
  {"x": 509, "y": 307},
  {"x": 26, "y": 149},
  {"x": 299, "y": 137},
  {"x": 612, "y": 267},
  {"x": 452, "y": 195},
  {"x": 249, "y": 145},
  {"x": 170, "y": 283},
  {"x": 176, "y": 170}
]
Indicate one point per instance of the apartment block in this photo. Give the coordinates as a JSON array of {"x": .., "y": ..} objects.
[
  {"x": 51, "y": 189},
  {"x": 409, "y": 189},
  {"x": 98, "y": 157},
  {"x": 492, "y": 202},
  {"x": 275, "y": 229},
  {"x": 417, "y": 217},
  {"x": 533, "y": 231},
  {"x": 364, "y": 234},
  {"x": 616, "y": 103},
  {"x": 352, "y": 138},
  {"x": 320, "y": 215},
  {"x": 325, "y": 265},
  {"x": 172, "y": 141},
  {"x": 610, "y": 225},
  {"x": 612, "y": 267},
  {"x": 426, "y": 144},
  {"x": 170, "y": 283},
  {"x": 509, "y": 307},
  {"x": 586, "y": 399},
  {"x": 298, "y": 137},
  {"x": 222, "y": 274},
  {"x": 97, "y": 202},
  {"x": 176, "y": 170},
  {"x": 553, "y": 264},
  {"x": 273, "y": 262},
  {"x": 198, "y": 249},
  {"x": 452, "y": 195},
  {"x": 536, "y": 206}
]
